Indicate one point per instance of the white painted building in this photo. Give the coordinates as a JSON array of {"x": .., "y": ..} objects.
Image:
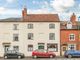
[{"x": 40, "y": 31}]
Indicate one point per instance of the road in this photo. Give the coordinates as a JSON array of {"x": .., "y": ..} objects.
[{"x": 43, "y": 59}]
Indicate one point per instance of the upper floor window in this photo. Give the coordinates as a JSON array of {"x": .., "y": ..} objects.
[
  {"x": 15, "y": 26},
  {"x": 30, "y": 26},
  {"x": 51, "y": 26},
  {"x": 52, "y": 36},
  {"x": 30, "y": 36},
  {"x": 71, "y": 37},
  {"x": 15, "y": 37}
]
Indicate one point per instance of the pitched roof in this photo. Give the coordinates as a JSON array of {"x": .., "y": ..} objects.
[
  {"x": 63, "y": 25},
  {"x": 42, "y": 18},
  {"x": 10, "y": 20}
]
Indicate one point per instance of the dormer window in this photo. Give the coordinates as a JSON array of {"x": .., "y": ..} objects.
[{"x": 69, "y": 25}]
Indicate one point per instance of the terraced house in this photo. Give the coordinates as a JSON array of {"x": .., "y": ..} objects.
[
  {"x": 70, "y": 34},
  {"x": 31, "y": 32}
]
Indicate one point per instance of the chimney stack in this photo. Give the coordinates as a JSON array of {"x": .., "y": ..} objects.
[
  {"x": 73, "y": 19},
  {"x": 24, "y": 12}
]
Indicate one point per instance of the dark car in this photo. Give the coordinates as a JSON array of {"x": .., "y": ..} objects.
[
  {"x": 43, "y": 53},
  {"x": 72, "y": 53},
  {"x": 13, "y": 54}
]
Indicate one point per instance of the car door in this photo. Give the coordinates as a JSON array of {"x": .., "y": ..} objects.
[
  {"x": 45, "y": 53},
  {"x": 39, "y": 53},
  {"x": 14, "y": 55},
  {"x": 76, "y": 53},
  {"x": 9, "y": 55}
]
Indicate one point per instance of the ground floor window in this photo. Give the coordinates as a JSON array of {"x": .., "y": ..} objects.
[
  {"x": 30, "y": 47},
  {"x": 40, "y": 45},
  {"x": 72, "y": 47},
  {"x": 16, "y": 48},
  {"x": 52, "y": 47},
  {"x": 6, "y": 48}
]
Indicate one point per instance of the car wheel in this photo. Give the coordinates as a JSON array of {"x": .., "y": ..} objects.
[
  {"x": 34, "y": 56},
  {"x": 5, "y": 57},
  {"x": 69, "y": 56},
  {"x": 51, "y": 56},
  {"x": 19, "y": 57}
]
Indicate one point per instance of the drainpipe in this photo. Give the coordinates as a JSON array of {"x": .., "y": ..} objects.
[{"x": 78, "y": 33}]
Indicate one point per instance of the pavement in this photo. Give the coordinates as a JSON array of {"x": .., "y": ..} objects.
[{"x": 60, "y": 58}]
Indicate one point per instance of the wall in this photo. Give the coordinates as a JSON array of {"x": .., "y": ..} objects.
[{"x": 41, "y": 33}]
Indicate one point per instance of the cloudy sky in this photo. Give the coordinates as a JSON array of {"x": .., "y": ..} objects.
[{"x": 13, "y": 8}]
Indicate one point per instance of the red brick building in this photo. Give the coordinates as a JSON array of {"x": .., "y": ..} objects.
[{"x": 70, "y": 35}]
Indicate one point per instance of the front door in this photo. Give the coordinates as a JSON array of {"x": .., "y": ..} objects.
[{"x": 63, "y": 49}]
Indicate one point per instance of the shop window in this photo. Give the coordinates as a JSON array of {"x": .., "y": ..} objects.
[
  {"x": 52, "y": 47},
  {"x": 40, "y": 45}
]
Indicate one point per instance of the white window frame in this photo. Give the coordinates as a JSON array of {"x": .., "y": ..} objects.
[
  {"x": 69, "y": 45},
  {"x": 70, "y": 37}
]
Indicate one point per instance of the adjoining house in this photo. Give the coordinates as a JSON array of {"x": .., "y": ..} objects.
[
  {"x": 31, "y": 32},
  {"x": 70, "y": 32}
]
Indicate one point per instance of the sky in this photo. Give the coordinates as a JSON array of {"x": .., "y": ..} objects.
[{"x": 64, "y": 8}]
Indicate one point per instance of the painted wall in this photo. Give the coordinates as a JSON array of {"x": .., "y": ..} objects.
[{"x": 41, "y": 35}]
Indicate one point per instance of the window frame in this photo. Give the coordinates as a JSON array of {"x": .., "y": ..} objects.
[
  {"x": 42, "y": 45},
  {"x": 15, "y": 26},
  {"x": 17, "y": 48},
  {"x": 30, "y": 36},
  {"x": 52, "y": 26},
  {"x": 52, "y": 47},
  {"x": 30, "y": 47},
  {"x": 15, "y": 37},
  {"x": 70, "y": 46},
  {"x": 72, "y": 37},
  {"x": 51, "y": 36},
  {"x": 30, "y": 26}
]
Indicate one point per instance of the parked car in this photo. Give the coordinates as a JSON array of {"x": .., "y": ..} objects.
[
  {"x": 43, "y": 53},
  {"x": 13, "y": 54},
  {"x": 72, "y": 53}
]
